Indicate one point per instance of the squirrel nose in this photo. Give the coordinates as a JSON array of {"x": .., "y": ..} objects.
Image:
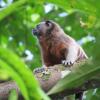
[
  {"x": 38, "y": 26},
  {"x": 34, "y": 31}
]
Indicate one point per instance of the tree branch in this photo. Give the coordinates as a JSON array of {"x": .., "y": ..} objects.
[{"x": 48, "y": 77}]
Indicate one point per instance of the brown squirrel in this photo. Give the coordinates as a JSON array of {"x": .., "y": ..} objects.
[{"x": 56, "y": 46}]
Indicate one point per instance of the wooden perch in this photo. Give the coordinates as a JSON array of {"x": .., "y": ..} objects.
[{"x": 48, "y": 77}]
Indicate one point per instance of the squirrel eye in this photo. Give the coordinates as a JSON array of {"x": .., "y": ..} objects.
[{"x": 47, "y": 22}]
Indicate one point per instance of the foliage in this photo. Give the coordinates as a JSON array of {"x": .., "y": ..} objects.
[
  {"x": 13, "y": 95},
  {"x": 21, "y": 74},
  {"x": 79, "y": 78},
  {"x": 79, "y": 18}
]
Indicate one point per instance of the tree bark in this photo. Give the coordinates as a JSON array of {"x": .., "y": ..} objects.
[{"x": 48, "y": 77}]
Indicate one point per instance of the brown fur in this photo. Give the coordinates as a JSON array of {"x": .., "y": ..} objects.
[{"x": 54, "y": 47}]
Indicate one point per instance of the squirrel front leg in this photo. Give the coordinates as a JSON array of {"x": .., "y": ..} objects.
[{"x": 71, "y": 55}]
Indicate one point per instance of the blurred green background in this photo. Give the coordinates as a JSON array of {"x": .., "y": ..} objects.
[{"x": 79, "y": 18}]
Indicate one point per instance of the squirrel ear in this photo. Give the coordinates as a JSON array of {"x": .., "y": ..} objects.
[{"x": 47, "y": 22}]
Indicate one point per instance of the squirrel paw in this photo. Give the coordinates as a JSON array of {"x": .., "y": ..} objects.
[
  {"x": 39, "y": 70},
  {"x": 67, "y": 63}
]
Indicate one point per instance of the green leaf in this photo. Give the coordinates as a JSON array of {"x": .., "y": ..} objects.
[
  {"x": 13, "y": 95},
  {"x": 11, "y": 8},
  {"x": 18, "y": 68},
  {"x": 16, "y": 77},
  {"x": 93, "y": 94},
  {"x": 76, "y": 78}
]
